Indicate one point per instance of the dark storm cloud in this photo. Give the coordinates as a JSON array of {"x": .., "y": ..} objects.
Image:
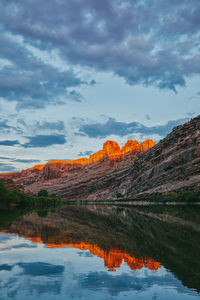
[
  {"x": 9, "y": 143},
  {"x": 144, "y": 41},
  {"x": 113, "y": 127},
  {"x": 45, "y": 140}
]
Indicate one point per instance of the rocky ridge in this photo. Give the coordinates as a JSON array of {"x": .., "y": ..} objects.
[
  {"x": 135, "y": 170},
  {"x": 55, "y": 174}
]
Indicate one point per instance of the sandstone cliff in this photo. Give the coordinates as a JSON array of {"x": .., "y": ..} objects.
[{"x": 135, "y": 170}]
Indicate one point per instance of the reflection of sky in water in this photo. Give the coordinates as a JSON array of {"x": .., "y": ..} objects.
[{"x": 32, "y": 271}]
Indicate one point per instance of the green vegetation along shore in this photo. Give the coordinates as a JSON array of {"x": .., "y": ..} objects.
[{"x": 15, "y": 198}]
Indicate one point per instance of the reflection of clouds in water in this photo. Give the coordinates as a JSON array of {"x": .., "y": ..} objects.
[
  {"x": 5, "y": 237},
  {"x": 68, "y": 273},
  {"x": 35, "y": 277},
  {"x": 85, "y": 254},
  {"x": 41, "y": 269},
  {"x": 6, "y": 267},
  {"x": 12, "y": 242},
  {"x": 126, "y": 282},
  {"x": 155, "y": 296},
  {"x": 19, "y": 246}
]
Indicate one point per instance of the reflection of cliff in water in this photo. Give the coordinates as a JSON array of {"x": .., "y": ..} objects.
[
  {"x": 138, "y": 236},
  {"x": 112, "y": 258}
]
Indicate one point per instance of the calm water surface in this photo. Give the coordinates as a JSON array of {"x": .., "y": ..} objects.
[{"x": 101, "y": 252}]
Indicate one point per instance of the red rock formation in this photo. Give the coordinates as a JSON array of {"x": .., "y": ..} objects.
[
  {"x": 130, "y": 146},
  {"x": 96, "y": 156},
  {"x": 56, "y": 169},
  {"x": 37, "y": 167},
  {"x": 146, "y": 145},
  {"x": 111, "y": 150}
]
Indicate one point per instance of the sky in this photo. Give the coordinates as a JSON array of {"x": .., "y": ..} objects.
[{"x": 75, "y": 73}]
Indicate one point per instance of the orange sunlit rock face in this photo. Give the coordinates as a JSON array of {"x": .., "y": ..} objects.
[
  {"x": 130, "y": 146},
  {"x": 37, "y": 167},
  {"x": 112, "y": 258},
  {"x": 146, "y": 145},
  {"x": 111, "y": 150}
]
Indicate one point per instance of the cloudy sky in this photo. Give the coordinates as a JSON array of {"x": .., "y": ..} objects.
[{"x": 74, "y": 73}]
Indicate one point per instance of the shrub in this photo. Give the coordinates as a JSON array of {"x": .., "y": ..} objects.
[
  {"x": 42, "y": 193},
  {"x": 119, "y": 195}
]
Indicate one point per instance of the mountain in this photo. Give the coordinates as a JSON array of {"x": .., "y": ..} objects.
[{"x": 135, "y": 170}]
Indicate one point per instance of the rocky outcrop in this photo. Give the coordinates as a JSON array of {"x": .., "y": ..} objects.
[
  {"x": 98, "y": 163},
  {"x": 135, "y": 170},
  {"x": 172, "y": 165}
]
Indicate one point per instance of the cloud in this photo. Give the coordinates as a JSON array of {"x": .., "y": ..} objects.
[
  {"x": 75, "y": 96},
  {"x": 86, "y": 153},
  {"x": 26, "y": 160},
  {"x": 196, "y": 96},
  {"x": 7, "y": 168},
  {"x": 148, "y": 117},
  {"x": 4, "y": 125},
  {"x": 45, "y": 140},
  {"x": 6, "y": 128},
  {"x": 113, "y": 127},
  {"x": 148, "y": 42},
  {"x": 93, "y": 82},
  {"x": 11, "y": 159},
  {"x": 191, "y": 114},
  {"x": 9, "y": 143},
  {"x": 50, "y": 126},
  {"x": 30, "y": 81}
]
